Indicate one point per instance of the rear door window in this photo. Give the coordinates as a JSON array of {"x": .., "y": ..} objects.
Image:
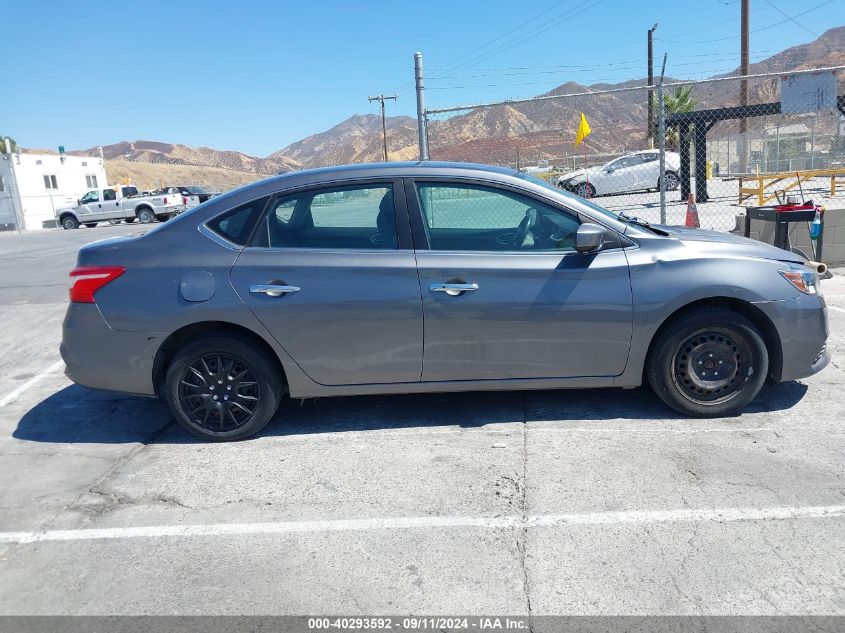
[{"x": 353, "y": 217}]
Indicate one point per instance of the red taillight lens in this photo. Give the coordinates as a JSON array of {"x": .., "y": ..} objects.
[
  {"x": 165, "y": 201},
  {"x": 185, "y": 200},
  {"x": 86, "y": 280}
]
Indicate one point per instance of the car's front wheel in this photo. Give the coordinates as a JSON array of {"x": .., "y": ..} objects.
[
  {"x": 708, "y": 363},
  {"x": 222, "y": 388},
  {"x": 69, "y": 223},
  {"x": 585, "y": 190}
]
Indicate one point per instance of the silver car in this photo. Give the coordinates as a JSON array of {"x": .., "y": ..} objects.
[{"x": 425, "y": 277}]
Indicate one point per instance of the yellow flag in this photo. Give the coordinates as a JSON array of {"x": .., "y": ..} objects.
[{"x": 583, "y": 130}]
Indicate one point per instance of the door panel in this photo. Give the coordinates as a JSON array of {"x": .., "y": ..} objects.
[
  {"x": 352, "y": 312},
  {"x": 533, "y": 315},
  {"x": 356, "y": 319},
  {"x": 520, "y": 305}
]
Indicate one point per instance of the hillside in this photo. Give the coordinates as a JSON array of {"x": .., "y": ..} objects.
[
  {"x": 358, "y": 139},
  {"x": 176, "y": 154},
  {"x": 154, "y": 175}
]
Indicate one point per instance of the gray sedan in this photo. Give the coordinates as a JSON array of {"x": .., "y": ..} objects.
[{"x": 425, "y": 277}]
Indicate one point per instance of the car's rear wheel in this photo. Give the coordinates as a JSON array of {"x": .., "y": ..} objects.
[
  {"x": 145, "y": 215},
  {"x": 585, "y": 190},
  {"x": 708, "y": 363},
  {"x": 222, "y": 388},
  {"x": 69, "y": 222}
]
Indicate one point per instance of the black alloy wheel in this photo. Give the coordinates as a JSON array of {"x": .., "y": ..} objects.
[
  {"x": 219, "y": 392},
  {"x": 223, "y": 387}
]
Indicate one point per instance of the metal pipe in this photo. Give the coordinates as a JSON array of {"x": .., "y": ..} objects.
[
  {"x": 421, "y": 118},
  {"x": 661, "y": 140}
]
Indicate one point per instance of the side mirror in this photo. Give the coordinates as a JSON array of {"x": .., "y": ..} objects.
[
  {"x": 78, "y": 202},
  {"x": 589, "y": 238}
]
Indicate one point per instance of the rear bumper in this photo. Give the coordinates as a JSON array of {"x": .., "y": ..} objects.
[
  {"x": 802, "y": 326},
  {"x": 99, "y": 357}
]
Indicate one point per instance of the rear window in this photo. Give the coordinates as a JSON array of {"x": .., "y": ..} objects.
[{"x": 236, "y": 225}]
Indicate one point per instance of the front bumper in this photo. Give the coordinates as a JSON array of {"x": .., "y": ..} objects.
[
  {"x": 803, "y": 330},
  {"x": 99, "y": 357}
]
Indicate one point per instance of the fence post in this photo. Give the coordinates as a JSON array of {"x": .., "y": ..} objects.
[
  {"x": 421, "y": 122},
  {"x": 661, "y": 136}
]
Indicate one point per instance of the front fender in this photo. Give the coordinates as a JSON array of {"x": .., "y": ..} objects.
[{"x": 664, "y": 282}]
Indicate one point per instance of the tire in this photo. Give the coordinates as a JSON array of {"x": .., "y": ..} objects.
[
  {"x": 585, "y": 190},
  {"x": 198, "y": 375},
  {"x": 672, "y": 181},
  {"x": 90, "y": 225},
  {"x": 145, "y": 215},
  {"x": 69, "y": 222},
  {"x": 714, "y": 340},
  {"x": 129, "y": 220}
]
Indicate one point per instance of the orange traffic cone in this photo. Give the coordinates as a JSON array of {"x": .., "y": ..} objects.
[{"x": 692, "y": 213}]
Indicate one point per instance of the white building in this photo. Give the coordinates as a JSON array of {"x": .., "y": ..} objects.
[{"x": 33, "y": 186}]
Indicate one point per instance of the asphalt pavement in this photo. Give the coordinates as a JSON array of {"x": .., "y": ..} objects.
[{"x": 527, "y": 503}]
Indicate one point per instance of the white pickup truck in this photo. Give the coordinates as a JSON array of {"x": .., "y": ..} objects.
[{"x": 119, "y": 203}]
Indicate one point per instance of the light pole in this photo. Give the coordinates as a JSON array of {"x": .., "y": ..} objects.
[
  {"x": 381, "y": 99},
  {"x": 650, "y": 102}
]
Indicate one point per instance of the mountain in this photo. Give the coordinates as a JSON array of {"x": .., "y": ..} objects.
[
  {"x": 175, "y": 154},
  {"x": 358, "y": 139}
]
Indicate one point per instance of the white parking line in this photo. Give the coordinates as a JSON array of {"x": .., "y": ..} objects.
[
  {"x": 20, "y": 389},
  {"x": 687, "y": 515},
  {"x": 830, "y": 307}
]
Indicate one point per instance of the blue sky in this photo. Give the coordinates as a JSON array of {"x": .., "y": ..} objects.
[{"x": 254, "y": 76}]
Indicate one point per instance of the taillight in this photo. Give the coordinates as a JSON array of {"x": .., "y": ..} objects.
[
  {"x": 165, "y": 201},
  {"x": 86, "y": 280},
  {"x": 185, "y": 200}
]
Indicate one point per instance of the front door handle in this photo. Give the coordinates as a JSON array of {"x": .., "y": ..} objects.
[
  {"x": 453, "y": 290},
  {"x": 273, "y": 290}
]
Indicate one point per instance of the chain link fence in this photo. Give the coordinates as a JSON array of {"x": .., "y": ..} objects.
[{"x": 729, "y": 157}]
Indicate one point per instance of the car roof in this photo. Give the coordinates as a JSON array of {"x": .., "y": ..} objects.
[{"x": 398, "y": 168}]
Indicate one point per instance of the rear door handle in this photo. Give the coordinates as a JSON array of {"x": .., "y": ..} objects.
[
  {"x": 453, "y": 290},
  {"x": 273, "y": 290}
]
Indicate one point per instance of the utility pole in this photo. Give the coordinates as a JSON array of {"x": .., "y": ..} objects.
[
  {"x": 381, "y": 99},
  {"x": 743, "y": 86},
  {"x": 650, "y": 103}
]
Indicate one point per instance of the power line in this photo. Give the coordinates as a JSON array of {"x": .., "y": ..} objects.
[
  {"x": 763, "y": 28},
  {"x": 530, "y": 34},
  {"x": 783, "y": 13},
  {"x": 404, "y": 87}
]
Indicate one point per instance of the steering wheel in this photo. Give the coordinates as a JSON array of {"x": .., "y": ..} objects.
[{"x": 526, "y": 226}]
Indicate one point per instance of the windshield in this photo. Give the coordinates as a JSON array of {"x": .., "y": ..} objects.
[{"x": 551, "y": 187}]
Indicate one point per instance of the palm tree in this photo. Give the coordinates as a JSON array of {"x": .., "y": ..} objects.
[{"x": 680, "y": 100}]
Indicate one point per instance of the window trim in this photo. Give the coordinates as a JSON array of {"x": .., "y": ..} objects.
[
  {"x": 51, "y": 179},
  {"x": 400, "y": 213},
  {"x": 91, "y": 178},
  {"x": 420, "y": 234}
]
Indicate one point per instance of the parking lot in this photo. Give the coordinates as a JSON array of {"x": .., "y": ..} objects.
[{"x": 522, "y": 503}]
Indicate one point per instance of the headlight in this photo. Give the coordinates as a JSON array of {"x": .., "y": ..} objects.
[{"x": 807, "y": 281}]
